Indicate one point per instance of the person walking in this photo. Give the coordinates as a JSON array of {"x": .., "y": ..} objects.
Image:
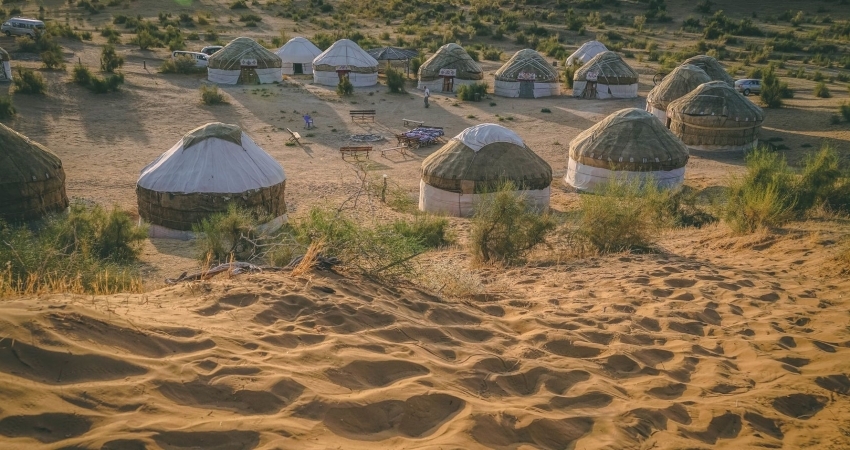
[{"x": 427, "y": 95}]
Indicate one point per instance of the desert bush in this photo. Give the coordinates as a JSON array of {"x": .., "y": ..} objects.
[
  {"x": 181, "y": 64},
  {"x": 764, "y": 196},
  {"x": 110, "y": 83},
  {"x": 822, "y": 182},
  {"x": 7, "y": 110},
  {"x": 145, "y": 40},
  {"x": 427, "y": 230},
  {"x": 109, "y": 59},
  {"x": 52, "y": 59},
  {"x": 239, "y": 4},
  {"x": 467, "y": 92},
  {"x": 491, "y": 54},
  {"x": 844, "y": 109},
  {"x": 772, "y": 90},
  {"x": 344, "y": 88},
  {"x": 28, "y": 81},
  {"x": 231, "y": 234},
  {"x": 506, "y": 226},
  {"x": 81, "y": 75},
  {"x": 211, "y": 95},
  {"x": 821, "y": 91},
  {"x": 395, "y": 80}
]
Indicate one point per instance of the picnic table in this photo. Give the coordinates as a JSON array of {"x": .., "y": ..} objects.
[{"x": 421, "y": 136}]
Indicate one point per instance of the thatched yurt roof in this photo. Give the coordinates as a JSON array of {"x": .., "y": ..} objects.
[
  {"x": 630, "y": 140},
  {"x": 32, "y": 180},
  {"x": 481, "y": 157},
  {"x": 712, "y": 68},
  {"x": 677, "y": 83},
  {"x": 527, "y": 61},
  {"x": 4, "y": 55},
  {"x": 345, "y": 52},
  {"x": 609, "y": 68},
  {"x": 298, "y": 50},
  {"x": 451, "y": 56},
  {"x": 240, "y": 49},
  {"x": 715, "y": 114},
  {"x": 587, "y": 51},
  {"x": 209, "y": 168}
]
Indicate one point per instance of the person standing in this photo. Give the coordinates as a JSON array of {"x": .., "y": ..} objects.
[{"x": 427, "y": 95}]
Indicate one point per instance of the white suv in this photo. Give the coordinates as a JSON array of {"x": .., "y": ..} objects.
[
  {"x": 748, "y": 86},
  {"x": 20, "y": 26}
]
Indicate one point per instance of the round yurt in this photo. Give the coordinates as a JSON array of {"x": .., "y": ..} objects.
[
  {"x": 297, "y": 56},
  {"x": 477, "y": 161},
  {"x": 715, "y": 117},
  {"x": 527, "y": 75},
  {"x": 5, "y": 66},
  {"x": 629, "y": 144},
  {"x": 244, "y": 61},
  {"x": 449, "y": 68},
  {"x": 587, "y": 51},
  {"x": 713, "y": 68},
  {"x": 677, "y": 83},
  {"x": 345, "y": 59},
  {"x": 211, "y": 167},
  {"x": 32, "y": 180},
  {"x": 606, "y": 75}
]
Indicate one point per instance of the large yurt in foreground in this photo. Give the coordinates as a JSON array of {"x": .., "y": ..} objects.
[
  {"x": 345, "y": 59},
  {"x": 477, "y": 161},
  {"x": 630, "y": 144},
  {"x": 450, "y": 67},
  {"x": 210, "y": 168},
  {"x": 713, "y": 68},
  {"x": 715, "y": 117},
  {"x": 244, "y": 61},
  {"x": 5, "y": 66},
  {"x": 32, "y": 180},
  {"x": 527, "y": 75},
  {"x": 297, "y": 56},
  {"x": 677, "y": 83},
  {"x": 606, "y": 75},
  {"x": 586, "y": 52}
]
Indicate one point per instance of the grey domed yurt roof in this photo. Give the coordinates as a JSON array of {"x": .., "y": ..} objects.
[
  {"x": 713, "y": 68},
  {"x": 482, "y": 157},
  {"x": 451, "y": 56},
  {"x": 680, "y": 81},
  {"x": 610, "y": 69},
  {"x": 231, "y": 56},
  {"x": 587, "y": 51},
  {"x": 32, "y": 180},
  {"x": 631, "y": 140},
  {"x": 527, "y": 61},
  {"x": 345, "y": 52}
]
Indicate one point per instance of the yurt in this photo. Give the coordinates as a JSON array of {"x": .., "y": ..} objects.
[
  {"x": 527, "y": 75},
  {"x": 477, "y": 161},
  {"x": 715, "y": 117},
  {"x": 627, "y": 145},
  {"x": 713, "y": 68},
  {"x": 244, "y": 61},
  {"x": 587, "y": 51},
  {"x": 449, "y": 68},
  {"x": 677, "y": 83},
  {"x": 5, "y": 66},
  {"x": 210, "y": 168},
  {"x": 345, "y": 59},
  {"x": 606, "y": 75},
  {"x": 297, "y": 56},
  {"x": 32, "y": 180}
]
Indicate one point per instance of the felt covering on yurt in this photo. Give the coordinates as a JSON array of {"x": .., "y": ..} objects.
[
  {"x": 713, "y": 68},
  {"x": 614, "y": 78},
  {"x": 298, "y": 50},
  {"x": 523, "y": 64},
  {"x": 478, "y": 161},
  {"x": 449, "y": 56},
  {"x": 715, "y": 116},
  {"x": 587, "y": 51},
  {"x": 32, "y": 180},
  {"x": 5, "y": 66},
  {"x": 680, "y": 81},
  {"x": 361, "y": 67},
  {"x": 628, "y": 144},
  {"x": 225, "y": 65},
  {"x": 211, "y": 167}
]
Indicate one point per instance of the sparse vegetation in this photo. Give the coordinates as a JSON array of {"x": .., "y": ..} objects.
[
  {"x": 7, "y": 110},
  {"x": 84, "y": 77},
  {"x": 344, "y": 88},
  {"x": 28, "y": 81},
  {"x": 821, "y": 91},
  {"x": 181, "y": 64},
  {"x": 211, "y": 95},
  {"x": 109, "y": 59},
  {"x": 772, "y": 90},
  {"x": 467, "y": 92},
  {"x": 395, "y": 81}
]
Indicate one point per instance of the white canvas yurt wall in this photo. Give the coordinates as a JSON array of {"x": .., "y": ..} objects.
[
  {"x": 630, "y": 144},
  {"x": 450, "y": 66},
  {"x": 609, "y": 76},
  {"x": 478, "y": 161},
  {"x": 298, "y": 50},
  {"x": 345, "y": 55},
  {"x": 227, "y": 65},
  {"x": 587, "y": 51},
  {"x": 5, "y": 66},
  {"x": 527, "y": 66}
]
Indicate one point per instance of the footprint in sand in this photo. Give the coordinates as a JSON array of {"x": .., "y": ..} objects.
[
  {"x": 200, "y": 394},
  {"x": 800, "y": 406},
  {"x": 839, "y": 383},
  {"x": 416, "y": 417},
  {"x": 550, "y": 434},
  {"x": 361, "y": 375},
  {"x": 50, "y": 367},
  {"x": 572, "y": 349},
  {"x": 208, "y": 440},
  {"x": 668, "y": 392},
  {"x": 47, "y": 427},
  {"x": 726, "y": 426},
  {"x": 763, "y": 424}
]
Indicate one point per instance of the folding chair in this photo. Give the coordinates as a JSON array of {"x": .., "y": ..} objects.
[{"x": 308, "y": 121}]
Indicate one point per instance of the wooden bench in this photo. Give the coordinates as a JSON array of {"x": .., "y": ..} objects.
[
  {"x": 408, "y": 122},
  {"x": 402, "y": 149},
  {"x": 356, "y": 151},
  {"x": 362, "y": 115},
  {"x": 295, "y": 137}
]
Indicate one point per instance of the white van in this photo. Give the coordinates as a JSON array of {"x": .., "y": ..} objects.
[
  {"x": 200, "y": 58},
  {"x": 20, "y": 26}
]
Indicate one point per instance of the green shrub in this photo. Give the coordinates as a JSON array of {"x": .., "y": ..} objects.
[
  {"x": 823, "y": 182},
  {"x": 764, "y": 196},
  {"x": 233, "y": 233},
  {"x": 28, "y": 81},
  {"x": 395, "y": 80},
  {"x": 427, "y": 230},
  {"x": 344, "y": 88},
  {"x": 821, "y": 91},
  {"x": 467, "y": 92},
  {"x": 110, "y": 83},
  {"x": 182, "y": 64},
  {"x": 211, "y": 95},
  {"x": 491, "y": 54},
  {"x": 506, "y": 226},
  {"x": 772, "y": 90},
  {"x": 109, "y": 59},
  {"x": 844, "y": 109},
  {"x": 7, "y": 110},
  {"x": 145, "y": 40},
  {"x": 569, "y": 73},
  {"x": 82, "y": 75},
  {"x": 239, "y": 4},
  {"x": 52, "y": 59}
]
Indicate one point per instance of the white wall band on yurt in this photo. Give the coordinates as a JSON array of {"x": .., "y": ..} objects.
[
  {"x": 244, "y": 56},
  {"x": 476, "y": 161},
  {"x": 608, "y": 76},
  {"x": 297, "y": 56},
  {"x": 587, "y": 178},
  {"x": 526, "y": 69},
  {"x": 6, "y": 72},
  {"x": 345, "y": 58},
  {"x": 606, "y": 91}
]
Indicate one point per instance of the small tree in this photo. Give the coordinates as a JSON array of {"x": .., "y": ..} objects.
[
  {"x": 344, "y": 88},
  {"x": 28, "y": 81},
  {"x": 52, "y": 58},
  {"x": 145, "y": 40},
  {"x": 109, "y": 59},
  {"x": 640, "y": 21},
  {"x": 395, "y": 81},
  {"x": 772, "y": 90}
]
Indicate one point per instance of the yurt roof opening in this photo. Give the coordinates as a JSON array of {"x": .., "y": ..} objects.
[
  {"x": 715, "y": 117},
  {"x": 527, "y": 75},
  {"x": 244, "y": 61},
  {"x": 32, "y": 179},
  {"x": 606, "y": 75},
  {"x": 345, "y": 59},
  {"x": 207, "y": 170},
  {"x": 297, "y": 56},
  {"x": 680, "y": 81},
  {"x": 627, "y": 145},
  {"x": 478, "y": 161}
]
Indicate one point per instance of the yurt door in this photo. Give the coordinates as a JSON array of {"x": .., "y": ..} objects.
[
  {"x": 248, "y": 74},
  {"x": 448, "y": 76},
  {"x": 526, "y": 89},
  {"x": 297, "y": 68}
]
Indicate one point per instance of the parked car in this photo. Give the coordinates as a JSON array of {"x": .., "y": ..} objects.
[
  {"x": 200, "y": 58},
  {"x": 748, "y": 86},
  {"x": 21, "y": 26},
  {"x": 209, "y": 50}
]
